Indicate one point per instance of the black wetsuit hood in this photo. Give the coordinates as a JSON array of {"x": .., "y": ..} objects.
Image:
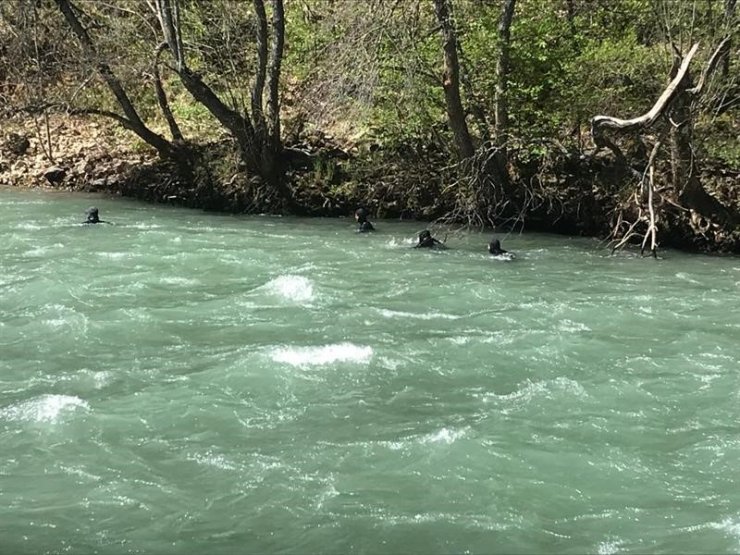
[
  {"x": 494, "y": 247},
  {"x": 91, "y": 216}
]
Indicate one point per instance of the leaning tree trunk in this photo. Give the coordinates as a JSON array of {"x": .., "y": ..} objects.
[
  {"x": 269, "y": 120},
  {"x": 131, "y": 120},
  {"x": 257, "y": 131},
  {"x": 684, "y": 166},
  {"x": 239, "y": 126},
  {"x": 451, "y": 81}
]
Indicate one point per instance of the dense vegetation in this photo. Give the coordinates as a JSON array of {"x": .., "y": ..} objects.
[{"x": 483, "y": 112}]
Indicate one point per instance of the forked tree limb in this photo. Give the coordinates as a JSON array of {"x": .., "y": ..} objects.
[{"x": 598, "y": 122}]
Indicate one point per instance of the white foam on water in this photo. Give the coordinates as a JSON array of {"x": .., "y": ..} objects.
[
  {"x": 571, "y": 326},
  {"x": 323, "y": 355},
  {"x": 42, "y": 251},
  {"x": 394, "y": 445},
  {"x": 445, "y": 435},
  {"x": 292, "y": 288},
  {"x": 175, "y": 280},
  {"x": 114, "y": 255},
  {"x": 102, "y": 378},
  {"x": 484, "y": 522},
  {"x": 501, "y": 338},
  {"x": 209, "y": 459},
  {"x": 684, "y": 276},
  {"x": 506, "y": 257},
  {"x": 64, "y": 316},
  {"x": 80, "y": 472},
  {"x": 729, "y": 526},
  {"x": 230, "y": 259},
  {"x": 46, "y": 409},
  {"x": 56, "y": 322},
  {"x": 386, "y": 313},
  {"x": 395, "y": 243},
  {"x": 329, "y": 493},
  {"x": 543, "y": 388},
  {"x": 609, "y": 547},
  {"x": 144, "y": 226},
  {"x": 459, "y": 339},
  {"x": 30, "y": 226},
  {"x": 391, "y": 363}
]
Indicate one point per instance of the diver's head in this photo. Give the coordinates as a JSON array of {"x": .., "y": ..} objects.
[
  {"x": 425, "y": 235},
  {"x": 494, "y": 247},
  {"x": 92, "y": 215},
  {"x": 361, "y": 215}
]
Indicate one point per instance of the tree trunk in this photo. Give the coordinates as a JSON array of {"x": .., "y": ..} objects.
[
  {"x": 257, "y": 133},
  {"x": 684, "y": 167},
  {"x": 132, "y": 120},
  {"x": 278, "y": 45},
  {"x": 169, "y": 20},
  {"x": 238, "y": 125},
  {"x": 258, "y": 88},
  {"x": 270, "y": 144},
  {"x": 502, "y": 70},
  {"x": 451, "y": 81}
]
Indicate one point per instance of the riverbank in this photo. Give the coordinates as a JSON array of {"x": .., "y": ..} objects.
[{"x": 559, "y": 191}]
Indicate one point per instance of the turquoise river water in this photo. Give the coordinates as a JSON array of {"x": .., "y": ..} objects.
[{"x": 184, "y": 382}]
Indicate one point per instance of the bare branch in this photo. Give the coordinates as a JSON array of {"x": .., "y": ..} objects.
[
  {"x": 658, "y": 108},
  {"x": 710, "y": 66},
  {"x": 133, "y": 120},
  {"x": 105, "y": 113}
]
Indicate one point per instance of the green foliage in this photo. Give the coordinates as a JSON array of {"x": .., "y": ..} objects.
[
  {"x": 720, "y": 138},
  {"x": 371, "y": 72},
  {"x": 617, "y": 76}
]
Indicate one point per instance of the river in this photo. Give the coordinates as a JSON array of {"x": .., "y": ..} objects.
[{"x": 186, "y": 382}]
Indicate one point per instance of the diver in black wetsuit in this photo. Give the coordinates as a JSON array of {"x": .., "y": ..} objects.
[
  {"x": 363, "y": 225},
  {"x": 426, "y": 241},
  {"x": 494, "y": 247},
  {"x": 92, "y": 217}
]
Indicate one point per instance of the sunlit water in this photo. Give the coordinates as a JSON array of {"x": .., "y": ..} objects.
[{"x": 183, "y": 382}]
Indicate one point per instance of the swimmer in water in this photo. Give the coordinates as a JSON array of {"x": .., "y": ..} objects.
[
  {"x": 363, "y": 225},
  {"x": 426, "y": 241},
  {"x": 92, "y": 217},
  {"x": 494, "y": 247}
]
